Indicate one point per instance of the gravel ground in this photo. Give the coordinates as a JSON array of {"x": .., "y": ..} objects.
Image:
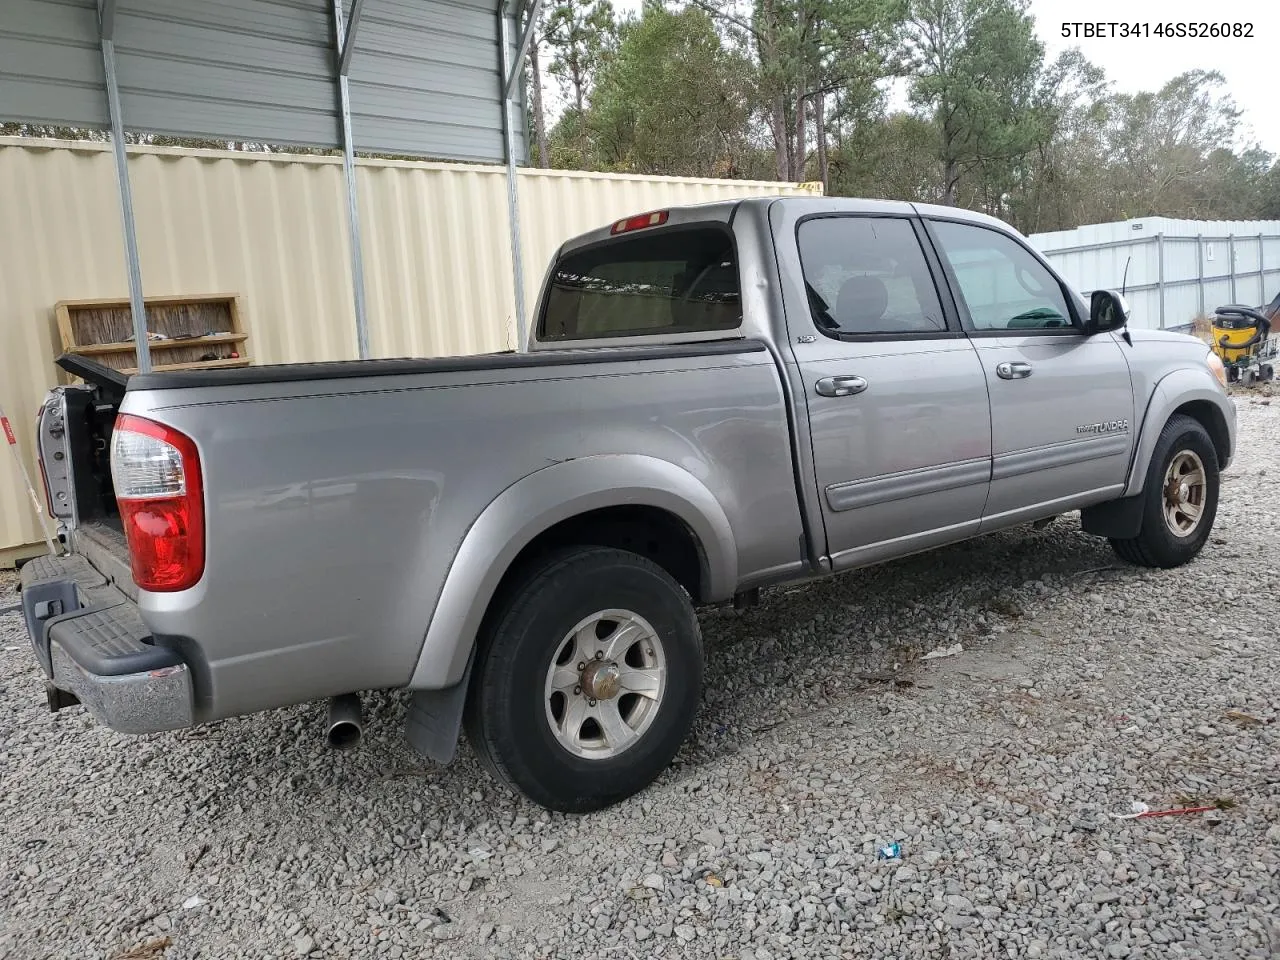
[{"x": 1083, "y": 686}]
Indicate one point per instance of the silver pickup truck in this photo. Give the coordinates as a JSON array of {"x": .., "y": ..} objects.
[{"x": 713, "y": 399}]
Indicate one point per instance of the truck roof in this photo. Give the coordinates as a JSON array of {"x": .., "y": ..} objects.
[{"x": 723, "y": 211}]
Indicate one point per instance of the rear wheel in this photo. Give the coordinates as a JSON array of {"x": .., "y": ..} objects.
[
  {"x": 1180, "y": 498},
  {"x": 590, "y": 679}
]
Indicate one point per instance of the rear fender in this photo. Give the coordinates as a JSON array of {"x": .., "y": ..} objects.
[
  {"x": 1180, "y": 387},
  {"x": 532, "y": 506}
]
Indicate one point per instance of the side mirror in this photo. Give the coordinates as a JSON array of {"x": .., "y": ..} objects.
[{"x": 1107, "y": 311}]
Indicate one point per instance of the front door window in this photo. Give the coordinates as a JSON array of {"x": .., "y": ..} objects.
[{"x": 1002, "y": 285}]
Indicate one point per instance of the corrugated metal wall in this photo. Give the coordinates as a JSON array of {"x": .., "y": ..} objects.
[
  {"x": 272, "y": 229},
  {"x": 425, "y": 80},
  {"x": 424, "y": 73},
  {"x": 51, "y": 63},
  {"x": 1177, "y": 269}
]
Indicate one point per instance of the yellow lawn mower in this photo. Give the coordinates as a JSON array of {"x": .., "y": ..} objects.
[{"x": 1240, "y": 336}]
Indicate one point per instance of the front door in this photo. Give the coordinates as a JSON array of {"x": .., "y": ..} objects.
[
  {"x": 895, "y": 391},
  {"x": 1062, "y": 418}
]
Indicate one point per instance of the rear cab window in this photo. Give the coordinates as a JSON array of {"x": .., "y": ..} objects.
[{"x": 679, "y": 280}]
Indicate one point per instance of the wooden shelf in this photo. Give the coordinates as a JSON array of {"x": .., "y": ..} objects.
[
  {"x": 173, "y": 300},
  {"x": 194, "y": 365},
  {"x": 126, "y": 346},
  {"x": 194, "y": 326}
]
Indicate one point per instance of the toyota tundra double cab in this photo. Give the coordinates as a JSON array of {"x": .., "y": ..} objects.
[{"x": 712, "y": 400}]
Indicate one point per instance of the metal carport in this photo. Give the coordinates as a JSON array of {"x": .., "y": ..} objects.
[{"x": 425, "y": 78}]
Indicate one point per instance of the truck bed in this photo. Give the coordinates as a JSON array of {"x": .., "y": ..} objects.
[{"x": 338, "y": 495}]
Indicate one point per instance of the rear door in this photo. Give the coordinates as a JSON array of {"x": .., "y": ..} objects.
[
  {"x": 897, "y": 403},
  {"x": 1061, "y": 402}
]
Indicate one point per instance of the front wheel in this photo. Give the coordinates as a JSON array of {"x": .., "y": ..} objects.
[
  {"x": 1180, "y": 498},
  {"x": 589, "y": 681}
]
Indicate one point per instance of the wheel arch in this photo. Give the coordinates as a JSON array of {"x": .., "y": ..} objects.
[
  {"x": 1193, "y": 393},
  {"x": 1210, "y": 416},
  {"x": 542, "y": 511}
]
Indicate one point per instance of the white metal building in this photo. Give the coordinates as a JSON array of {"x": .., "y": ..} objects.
[{"x": 1172, "y": 270}]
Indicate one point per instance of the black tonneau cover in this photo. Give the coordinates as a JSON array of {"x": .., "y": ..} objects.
[
  {"x": 350, "y": 369},
  {"x": 111, "y": 383}
]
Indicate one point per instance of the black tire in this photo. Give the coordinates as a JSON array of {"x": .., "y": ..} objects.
[
  {"x": 1156, "y": 545},
  {"x": 506, "y": 716}
]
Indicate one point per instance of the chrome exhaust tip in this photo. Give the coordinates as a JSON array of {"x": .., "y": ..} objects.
[{"x": 346, "y": 721}]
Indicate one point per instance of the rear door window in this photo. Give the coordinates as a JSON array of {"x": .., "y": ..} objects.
[
  {"x": 682, "y": 280},
  {"x": 868, "y": 276}
]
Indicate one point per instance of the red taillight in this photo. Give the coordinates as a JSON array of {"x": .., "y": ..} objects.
[
  {"x": 655, "y": 219},
  {"x": 156, "y": 474}
]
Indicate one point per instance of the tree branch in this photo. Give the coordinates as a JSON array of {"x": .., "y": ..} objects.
[{"x": 717, "y": 13}]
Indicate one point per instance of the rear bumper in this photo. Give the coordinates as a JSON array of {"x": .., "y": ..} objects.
[{"x": 91, "y": 642}]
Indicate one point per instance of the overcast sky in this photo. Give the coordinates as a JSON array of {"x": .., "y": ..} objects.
[
  {"x": 1147, "y": 63},
  {"x": 1251, "y": 67}
]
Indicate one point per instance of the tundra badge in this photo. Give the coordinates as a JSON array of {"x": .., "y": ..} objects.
[{"x": 1107, "y": 426}]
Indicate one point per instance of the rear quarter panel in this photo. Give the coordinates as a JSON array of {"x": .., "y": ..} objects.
[{"x": 335, "y": 508}]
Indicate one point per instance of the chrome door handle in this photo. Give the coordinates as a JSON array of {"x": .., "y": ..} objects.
[
  {"x": 1015, "y": 370},
  {"x": 840, "y": 386}
]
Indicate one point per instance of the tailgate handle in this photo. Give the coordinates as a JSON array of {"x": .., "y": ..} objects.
[{"x": 840, "y": 386}]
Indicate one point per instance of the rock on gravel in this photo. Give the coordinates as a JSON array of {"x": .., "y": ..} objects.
[{"x": 1082, "y": 686}]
